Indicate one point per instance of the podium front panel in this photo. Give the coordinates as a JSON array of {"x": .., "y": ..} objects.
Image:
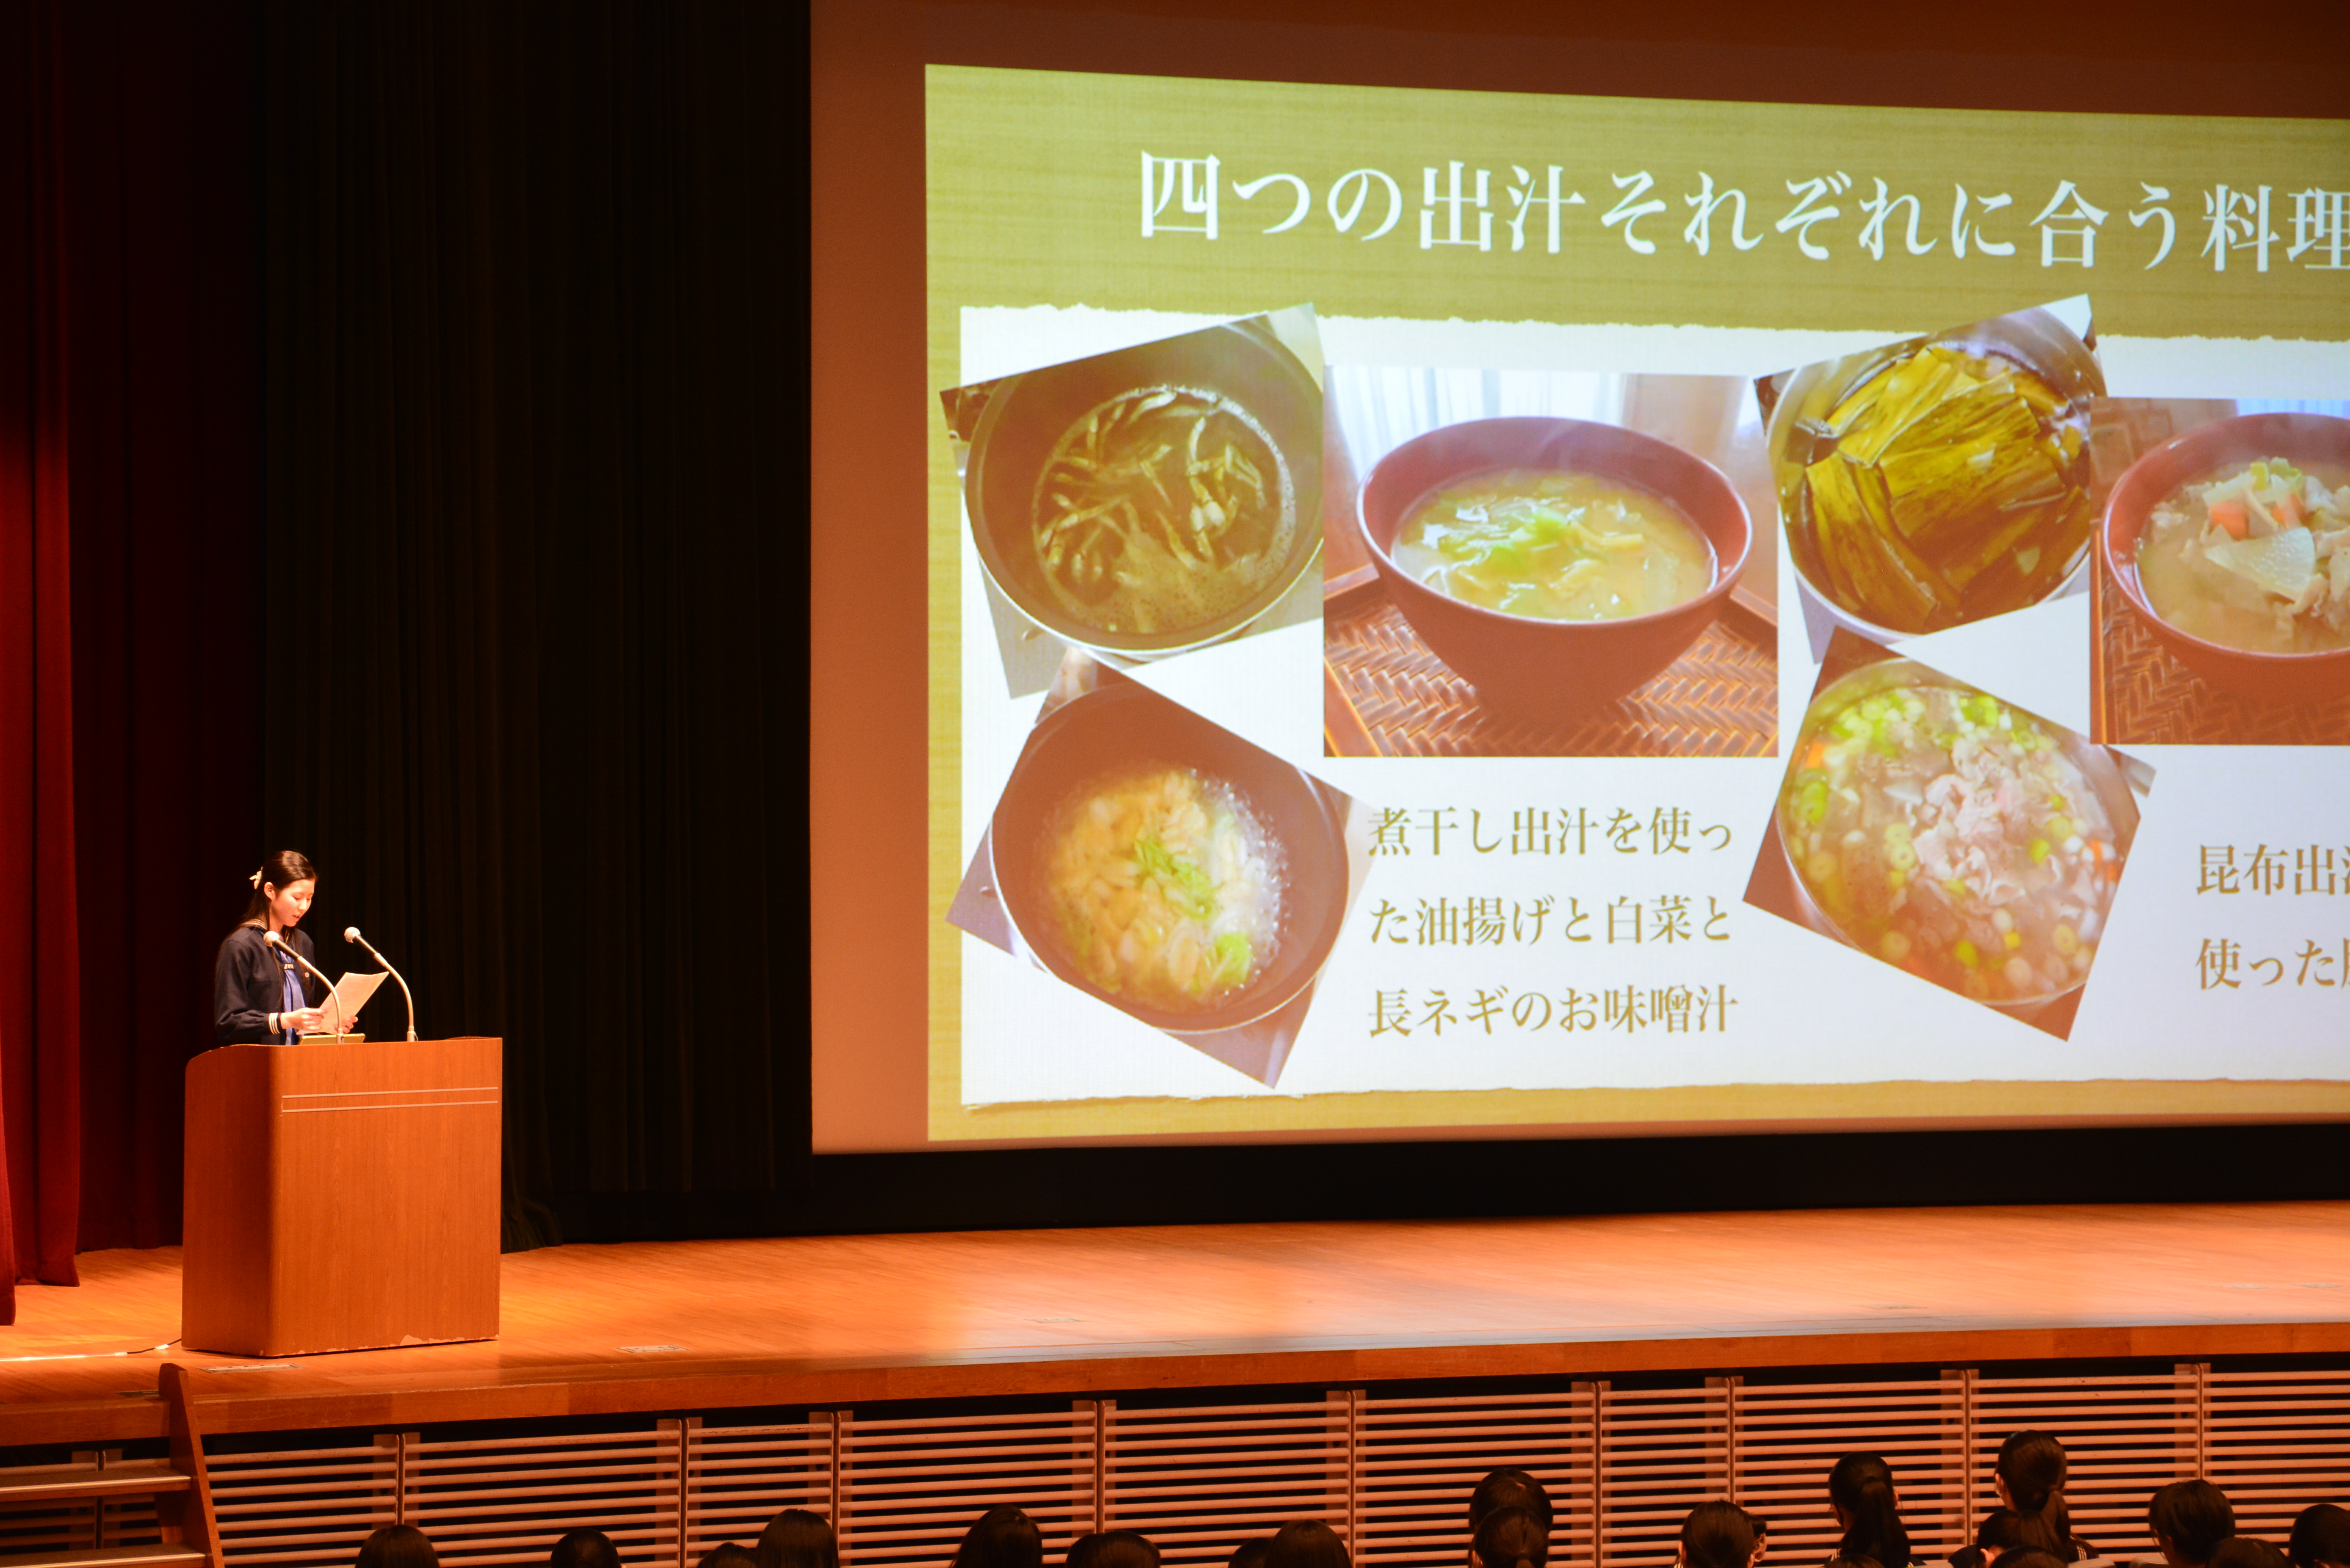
[{"x": 341, "y": 1197}]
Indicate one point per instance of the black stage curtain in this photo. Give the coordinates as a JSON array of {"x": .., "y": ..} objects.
[
  {"x": 535, "y": 408},
  {"x": 162, "y": 333}
]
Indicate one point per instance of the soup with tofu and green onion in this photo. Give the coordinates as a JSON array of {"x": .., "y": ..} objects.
[
  {"x": 1163, "y": 886},
  {"x": 1556, "y": 546},
  {"x": 1952, "y": 836}
]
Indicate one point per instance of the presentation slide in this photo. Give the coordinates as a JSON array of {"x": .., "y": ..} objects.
[{"x": 1482, "y": 613}]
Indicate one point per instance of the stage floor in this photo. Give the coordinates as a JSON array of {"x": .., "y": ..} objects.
[{"x": 840, "y": 1321}]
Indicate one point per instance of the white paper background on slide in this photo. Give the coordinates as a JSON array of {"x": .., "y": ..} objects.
[
  {"x": 2037, "y": 658},
  {"x": 1000, "y": 340},
  {"x": 1003, "y": 340},
  {"x": 2146, "y": 991},
  {"x": 1028, "y": 1038}
]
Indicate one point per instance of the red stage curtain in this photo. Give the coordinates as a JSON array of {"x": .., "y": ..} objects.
[{"x": 40, "y": 995}]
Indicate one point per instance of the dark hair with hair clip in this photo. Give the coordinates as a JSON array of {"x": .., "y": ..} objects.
[
  {"x": 1862, "y": 1485},
  {"x": 2193, "y": 1515},
  {"x": 280, "y": 871}
]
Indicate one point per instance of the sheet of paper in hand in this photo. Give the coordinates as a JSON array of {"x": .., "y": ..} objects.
[{"x": 353, "y": 989}]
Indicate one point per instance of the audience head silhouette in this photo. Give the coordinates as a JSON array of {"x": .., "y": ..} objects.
[
  {"x": 2321, "y": 1536},
  {"x": 797, "y": 1539},
  {"x": 1113, "y": 1549},
  {"x": 398, "y": 1546},
  {"x": 2027, "y": 1557},
  {"x": 2245, "y": 1551},
  {"x": 2030, "y": 1476},
  {"x": 1249, "y": 1553},
  {"x": 1306, "y": 1543},
  {"x": 728, "y": 1556},
  {"x": 2001, "y": 1531},
  {"x": 2189, "y": 1518},
  {"x": 584, "y": 1549},
  {"x": 1720, "y": 1535},
  {"x": 1512, "y": 1538},
  {"x": 1003, "y": 1538},
  {"x": 1508, "y": 1488},
  {"x": 1861, "y": 1488}
]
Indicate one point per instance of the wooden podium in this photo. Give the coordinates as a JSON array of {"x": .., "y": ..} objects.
[{"x": 341, "y": 1197}]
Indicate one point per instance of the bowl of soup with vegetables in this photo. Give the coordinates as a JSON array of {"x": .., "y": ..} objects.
[
  {"x": 1152, "y": 499},
  {"x": 1554, "y": 563},
  {"x": 1166, "y": 866},
  {"x": 2231, "y": 543},
  {"x": 1955, "y": 836}
]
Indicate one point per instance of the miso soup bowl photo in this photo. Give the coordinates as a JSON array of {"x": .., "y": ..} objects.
[
  {"x": 2315, "y": 443},
  {"x": 1527, "y": 665},
  {"x": 1121, "y": 727}
]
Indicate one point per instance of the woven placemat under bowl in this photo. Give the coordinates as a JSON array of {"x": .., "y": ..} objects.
[
  {"x": 2151, "y": 699},
  {"x": 1718, "y": 699}
]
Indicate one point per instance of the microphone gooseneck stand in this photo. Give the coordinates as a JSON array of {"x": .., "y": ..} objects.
[{"x": 351, "y": 934}]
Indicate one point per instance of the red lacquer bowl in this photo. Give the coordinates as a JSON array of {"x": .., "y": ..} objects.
[
  {"x": 1553, "y": 669},
  {"x": 2308, "y": 441}
]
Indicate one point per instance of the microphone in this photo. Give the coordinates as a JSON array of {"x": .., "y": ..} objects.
[
  {"x": 351, "y": 934},
  {"x": 272, "y": 939}
]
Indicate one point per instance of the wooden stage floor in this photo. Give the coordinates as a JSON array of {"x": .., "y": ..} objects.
[{"x": 684, "y": 1326}]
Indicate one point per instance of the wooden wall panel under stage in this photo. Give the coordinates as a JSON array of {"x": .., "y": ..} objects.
[
  {"x": 1204, "y": 1383},
  {"x": 1390, "y": 1470}
]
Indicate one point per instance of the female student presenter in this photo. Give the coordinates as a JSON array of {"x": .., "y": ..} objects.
[{"x": 260, "y": 995}]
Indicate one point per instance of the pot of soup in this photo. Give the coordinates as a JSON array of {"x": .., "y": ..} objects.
[
  {"x": 1165, "y": 865},
  {"x": 1153, "y": 500},
  {"x": 1954, "y": 836}
]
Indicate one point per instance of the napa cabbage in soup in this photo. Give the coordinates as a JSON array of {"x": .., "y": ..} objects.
[{"x": 1556, "y": 545}]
